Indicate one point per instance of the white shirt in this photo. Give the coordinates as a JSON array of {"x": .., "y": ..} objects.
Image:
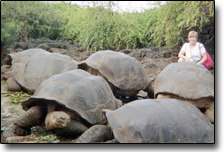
[{"x": 195, "y": 52}]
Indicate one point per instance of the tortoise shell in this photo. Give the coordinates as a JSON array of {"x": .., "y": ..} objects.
[
  {"x": 23, "y": 56},
  {"x": 30, "y": 72},
  {"x": 122, "y": 71},
  {"x": 186, "y": 80},
  {"x": 77, "y": 91},
  {"x": 160, "y": 121}
]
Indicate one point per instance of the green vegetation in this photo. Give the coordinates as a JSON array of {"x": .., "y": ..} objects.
[
  {"x": 29, "y": 19},
  {"x": 49, "y": 139},
  {"x": 99, "y": 27},
  {"x": 14, "y": 97}
]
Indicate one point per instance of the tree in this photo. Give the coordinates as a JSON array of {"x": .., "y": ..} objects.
[
  {"x": 99, "y": 27},
  {"x": 31, "y": 19}
]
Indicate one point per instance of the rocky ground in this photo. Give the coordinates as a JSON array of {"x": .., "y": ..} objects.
[{"x": 153, "y": 60}]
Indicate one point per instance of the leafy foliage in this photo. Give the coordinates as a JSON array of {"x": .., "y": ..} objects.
[
  {"x": 29, "y": 19},
  {"x": 175, "y": 19},
  {"x": 99, "y": 27},
  {"x": 15, "y": 97},
  {"x": 49, "y": 139}
]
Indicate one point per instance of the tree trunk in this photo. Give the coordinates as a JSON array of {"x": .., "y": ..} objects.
[{"x": 24, "y": 32}]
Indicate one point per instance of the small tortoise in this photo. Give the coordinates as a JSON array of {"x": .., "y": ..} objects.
[
  {"x": 124, "y": 74},
  {"x": 68, "y": 103},
  {"x": 29, "y": 70},
  {"x": 153, "y": 121},
  {"x": 187, "y": 82}
]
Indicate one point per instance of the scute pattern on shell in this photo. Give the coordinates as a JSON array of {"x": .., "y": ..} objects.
[
  {"x": 29, "y": 73},
  {"x": 160, "y": 121},
  {"x": 121, "y": 70},
  {"x": 186, "y": 80},
  {"x": 25, "y": 55},
  {"x": 78, "y": 91}
]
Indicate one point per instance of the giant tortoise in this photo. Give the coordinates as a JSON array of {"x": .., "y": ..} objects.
[
  {"x": 32, "y": 66},
  {"x": 187, "y": 82},
  {"x": 153, "y": 121},
  {"x": 68, "y": 103},
  {"x": 22, "y": 56},
  {"x": 124, "y": 74},
  {"x": 19, "y": 57}
]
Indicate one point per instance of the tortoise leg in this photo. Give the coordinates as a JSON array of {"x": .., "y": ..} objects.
[
  {"x": 34, "y": 116},
  {"x": 97, "y": 133},
  {"x": 74, "y": 129},
  {"x": 12, "y": 85},
  {"x": 149, "y": 89},
  {"x": 209, "y": 113}
]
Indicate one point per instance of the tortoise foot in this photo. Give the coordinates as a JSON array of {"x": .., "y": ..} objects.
[
  {"x": 209, "y": 113},
  {"x": 96, "y": 134},
  {"x": 21, "y": 131},
  {"x": 12, "y": 85}
]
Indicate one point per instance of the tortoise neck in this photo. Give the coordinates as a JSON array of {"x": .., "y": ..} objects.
[{"x": 51, "y": 107}]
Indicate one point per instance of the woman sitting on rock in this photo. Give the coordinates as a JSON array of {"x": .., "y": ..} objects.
[{"x": 193, "y": 51}]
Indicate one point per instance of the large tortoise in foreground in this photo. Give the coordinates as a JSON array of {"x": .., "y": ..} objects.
[
  {"x": 32, "y": 66},
  {"x": 187, "y": 82},
  {"x": 153, "y": 121},
  {"x": 69, "y": 103},
  {"x": 124, "y": 74}
]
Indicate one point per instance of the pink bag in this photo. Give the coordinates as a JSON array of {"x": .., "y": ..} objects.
[{"x": 209, "y": 60}]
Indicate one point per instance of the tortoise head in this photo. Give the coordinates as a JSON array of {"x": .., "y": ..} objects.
[{"x": 57, "y": 119}]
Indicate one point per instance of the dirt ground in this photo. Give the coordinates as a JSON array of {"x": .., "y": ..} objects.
[{"x": 11, "y": 108}]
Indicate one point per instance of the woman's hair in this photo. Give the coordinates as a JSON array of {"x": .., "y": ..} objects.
[{"x": 193, "y": 34}]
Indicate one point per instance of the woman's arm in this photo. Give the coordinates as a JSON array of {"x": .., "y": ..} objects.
[
  {"x": 181, "y": 55},
  {"x": 204, "y": 58}
]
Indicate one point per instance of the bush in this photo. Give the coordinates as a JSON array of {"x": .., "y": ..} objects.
[
  {"x": 9, "y": 32},
  {"x": 100, "y": 28},
  {"x": 29, "y": 19}
]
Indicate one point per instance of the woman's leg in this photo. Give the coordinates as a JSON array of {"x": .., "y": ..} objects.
[{"x": 200, "y": 64}]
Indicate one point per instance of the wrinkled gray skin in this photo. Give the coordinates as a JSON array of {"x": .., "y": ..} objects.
[
  {"x": 156, "y": 121},
  {"x": 68, "y": 103},
  {"x": 96, "y": 134}
]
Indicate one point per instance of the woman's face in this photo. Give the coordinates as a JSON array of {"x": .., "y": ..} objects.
[{"x": 192, "y": 40}]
